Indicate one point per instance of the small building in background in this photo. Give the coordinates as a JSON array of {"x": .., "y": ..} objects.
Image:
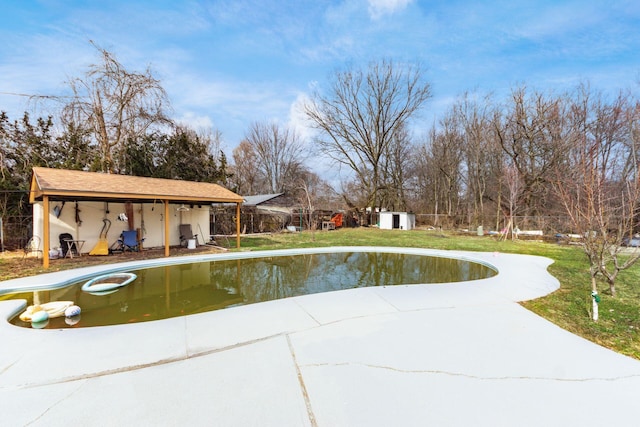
[{"x": 397, "y": 221}]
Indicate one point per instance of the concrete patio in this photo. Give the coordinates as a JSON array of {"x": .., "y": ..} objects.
[{"x": 457, "y": 354}]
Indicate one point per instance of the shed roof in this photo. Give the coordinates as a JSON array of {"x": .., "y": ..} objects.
[{"x": 62, "y": 184}]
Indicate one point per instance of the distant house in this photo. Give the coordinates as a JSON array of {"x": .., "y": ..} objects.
[
  {"x": 279, "y": 211},
  {"x": 397, "y": 221},
  {"x": 273, "y": 212},
  {"x": 267, "y": 212}
]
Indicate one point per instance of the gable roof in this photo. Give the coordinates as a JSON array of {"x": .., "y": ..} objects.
[{"x": 62, "y": 184}]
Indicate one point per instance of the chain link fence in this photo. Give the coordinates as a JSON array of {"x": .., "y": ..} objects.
[
  {"x": 15, "y": 231},
  {"x": 548, "y": 224}
]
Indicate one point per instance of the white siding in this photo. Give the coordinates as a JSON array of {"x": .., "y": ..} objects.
[
  {"x": 406, "y": 221},
  {"x": 91, "y": 214}
]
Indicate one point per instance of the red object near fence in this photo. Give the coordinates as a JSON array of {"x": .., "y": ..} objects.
[{"x": 337, "y": 219}]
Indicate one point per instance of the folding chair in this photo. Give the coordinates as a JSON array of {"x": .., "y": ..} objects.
[
  {"x": 186, "y": 234},
  {"x": 129, "y": 241}
]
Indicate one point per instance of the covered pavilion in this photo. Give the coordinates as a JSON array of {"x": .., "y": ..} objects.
[{"x": 60, "y": 185}]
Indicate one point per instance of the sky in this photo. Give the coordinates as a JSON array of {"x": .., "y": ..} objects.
[{"x": 226, "y": 64}]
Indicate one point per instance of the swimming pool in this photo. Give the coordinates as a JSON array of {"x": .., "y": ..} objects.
[{"x": 178, "y": 287}]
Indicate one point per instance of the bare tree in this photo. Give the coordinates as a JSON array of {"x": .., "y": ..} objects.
[
  {"x": 212, "y": 138},
  {"x": 279, "y": 154},
  {"x": 245, "y": 169},
  {"x": 395, "y": 164},
  {"x": 356, "y": 197},
  {"x": 481, "y": 153},
  {"x": 440, "y": 160},
  {"x": 118, "y": 105},
  {"x": 600, "y": 190},
  {"x": 533, "y": 136},
  {"x": 424, "y": 183},
  {"x": 514, "y": 187},
  {"x": 362, "y": 113},
  {"x": 307, "y": 199}
]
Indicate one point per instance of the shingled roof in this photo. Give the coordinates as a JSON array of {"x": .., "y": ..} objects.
[{"x": 62, "y": 184}]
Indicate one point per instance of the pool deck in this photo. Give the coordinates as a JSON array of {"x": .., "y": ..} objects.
[{"x": 462, "y": 354}]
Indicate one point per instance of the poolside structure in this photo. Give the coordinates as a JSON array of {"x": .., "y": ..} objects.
[{"x": 154, "y": 206}]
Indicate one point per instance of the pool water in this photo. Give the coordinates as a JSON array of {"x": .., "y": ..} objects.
[{"x": 183, "y": 289}]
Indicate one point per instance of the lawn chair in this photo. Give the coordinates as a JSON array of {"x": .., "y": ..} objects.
[
  {"x": 186, "y": 234},
  {"x": 128, "y": 241}
]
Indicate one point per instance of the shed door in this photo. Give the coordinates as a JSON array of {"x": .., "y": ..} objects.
[{"x": 396, "y": 221}]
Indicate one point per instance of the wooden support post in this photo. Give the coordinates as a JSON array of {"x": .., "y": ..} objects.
[
  {"x": 166, "y": 228},
  {"x": 238, "y": 225},
  {"x": 45, "y": 231}
]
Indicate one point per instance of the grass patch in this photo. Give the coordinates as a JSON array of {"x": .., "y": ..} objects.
[{"x": 569, "y": 307}]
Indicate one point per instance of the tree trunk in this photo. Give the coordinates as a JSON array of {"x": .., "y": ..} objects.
[
  {"x": 612, "y": 287},
  {"x": 594, "y": 298}
]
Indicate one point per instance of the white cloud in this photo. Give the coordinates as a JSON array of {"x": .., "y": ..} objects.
[
  {"x": 195, "y": 121},
  {"x": 379, "y": 8},
  {"x": 298, "y": 119},
  {"x": 332, "y": 48},
  {"x": 228, "y": 104},
  {"x": 39, "y": 65}
]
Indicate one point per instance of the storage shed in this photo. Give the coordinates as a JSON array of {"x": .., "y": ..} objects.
[{"x": 397, "y": 221}]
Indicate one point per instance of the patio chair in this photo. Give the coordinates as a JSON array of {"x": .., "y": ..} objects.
[
  {"x": 128, "y": 241},
  {"x": 186, "y": 234}
]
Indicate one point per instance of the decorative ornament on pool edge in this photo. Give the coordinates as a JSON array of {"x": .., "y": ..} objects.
[
  {"x": 40, "y": 325},
  {"x": 74, "y": 310},
  {"x": 39, "y": 316}
]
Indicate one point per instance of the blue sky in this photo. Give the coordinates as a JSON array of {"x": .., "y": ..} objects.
[{"x": 226, "y": 64}]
